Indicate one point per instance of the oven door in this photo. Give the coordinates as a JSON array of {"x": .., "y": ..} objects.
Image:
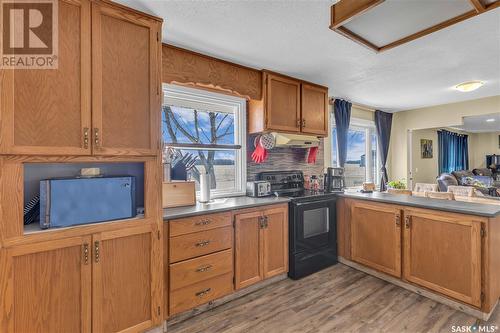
[{"x": 314, "y": 225}]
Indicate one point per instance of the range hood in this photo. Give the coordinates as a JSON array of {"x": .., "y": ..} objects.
[{"x": 295, "y": 140}]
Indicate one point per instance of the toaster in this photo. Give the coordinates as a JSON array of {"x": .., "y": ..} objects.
[{"x": 259, "y": 188}]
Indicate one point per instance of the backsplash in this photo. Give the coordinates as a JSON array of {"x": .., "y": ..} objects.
[{"x": 284, "y": 159}]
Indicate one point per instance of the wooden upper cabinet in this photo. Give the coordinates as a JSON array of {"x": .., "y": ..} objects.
[
  {"x": 247, "y": 249},
  {"x": 125, "y": 82},
  {"x": 46, "y": 287},
  {"x": 275, "y": 242},
  {"x": 314, "y": 101},
  {"x": 282, "y": 104},
  {"x": 289, "y": 105},
  {"x": 442, "y": 252},
  {"x": 47, "y": 111},
  {"x": 376, "y": 236},
  {"x": 126, "y": 280}
]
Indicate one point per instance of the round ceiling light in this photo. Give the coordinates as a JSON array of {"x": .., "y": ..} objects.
[{"x": 469, "y": 86}]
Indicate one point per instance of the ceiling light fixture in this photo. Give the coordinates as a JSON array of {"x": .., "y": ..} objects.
[
  {"x": 490, "y": 120},
  {"x": 469, "y": 86}
]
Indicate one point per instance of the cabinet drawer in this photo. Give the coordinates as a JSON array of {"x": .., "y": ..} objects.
[
  {"x": 199, "y": 223},
  {"x": 200, "y": 243},
  {"x": 199, "y": 269},
  {"x": 196, "y": 294}
]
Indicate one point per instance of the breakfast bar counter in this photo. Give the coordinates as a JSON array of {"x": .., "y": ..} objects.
[
  {"x": 465, "y": 205},
  {"x": 447, "y": 250}
]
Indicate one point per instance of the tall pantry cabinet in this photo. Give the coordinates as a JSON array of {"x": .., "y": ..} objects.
[{"x": 102, "y": 104}]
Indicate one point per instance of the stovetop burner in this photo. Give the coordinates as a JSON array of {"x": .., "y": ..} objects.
[{"x": 290, "y": 184}]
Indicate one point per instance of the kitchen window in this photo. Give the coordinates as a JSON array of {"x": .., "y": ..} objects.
[
  {"x": 206, "y": 130},
  {"x": 361, "y": 143}
]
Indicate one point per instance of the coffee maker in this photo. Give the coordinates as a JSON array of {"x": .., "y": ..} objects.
[{"x": 334, "y": 179}]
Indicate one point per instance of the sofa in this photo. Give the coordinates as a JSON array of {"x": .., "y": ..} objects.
[{"x": 481, "y": 179}]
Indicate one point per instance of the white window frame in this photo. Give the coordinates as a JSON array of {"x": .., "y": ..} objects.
[
  {"x": 368, "y": 126},
  {"x": 211, "y": 101}
]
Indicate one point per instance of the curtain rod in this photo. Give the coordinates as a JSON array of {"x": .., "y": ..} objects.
[{"x": 357, "y": 106}]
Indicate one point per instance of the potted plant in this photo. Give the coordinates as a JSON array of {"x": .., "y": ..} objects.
[{"x": 397, "y": 184}]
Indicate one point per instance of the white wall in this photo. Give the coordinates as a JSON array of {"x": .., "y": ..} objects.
[
  {"x": 483, "y": 144},
  {"x": 431, "y": 117},
  {"x": 425, "y": 170}
]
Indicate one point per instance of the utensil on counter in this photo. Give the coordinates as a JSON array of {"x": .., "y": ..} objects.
[{"x": 204, "y": 188}]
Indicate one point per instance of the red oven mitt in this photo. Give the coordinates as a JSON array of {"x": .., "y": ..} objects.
[
  {"x": 259, "y": 155},
  {"x": 311, "y": 158}
]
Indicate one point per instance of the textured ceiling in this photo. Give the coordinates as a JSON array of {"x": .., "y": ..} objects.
[
  {"x": 480, "y": 124},
  {"x": 292, "y": 37}
]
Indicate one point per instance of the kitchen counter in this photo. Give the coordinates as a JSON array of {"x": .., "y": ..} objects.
[
  {"x": 469, "y": 208},
  {"x": 220, "y": 205}
]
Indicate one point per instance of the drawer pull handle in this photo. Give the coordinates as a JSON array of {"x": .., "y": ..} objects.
[
  {"x": 203, "y": 292},
  {"x": 408, "y": 221},
  {"x": 203, "y": 268},
  {"x": 202, "y": 222},
  {"x": 202, "y": 243},
  {"x": 398, "y": 220}
]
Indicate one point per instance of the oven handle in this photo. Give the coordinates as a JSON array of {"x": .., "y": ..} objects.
[{"x": 299, "y": 204}]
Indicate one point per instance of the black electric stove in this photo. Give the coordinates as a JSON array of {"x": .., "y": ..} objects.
[{"x": 312, "y": 223}]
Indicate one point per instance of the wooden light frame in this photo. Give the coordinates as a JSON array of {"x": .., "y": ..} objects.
[{"x": 345, "y": 10}]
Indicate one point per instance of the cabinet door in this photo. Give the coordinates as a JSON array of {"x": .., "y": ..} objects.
[
  {"x": 248, "y": 249},
  {"x": 126, "y": 280},
  {"x": 442, "y": 252},
  {"x": 376, "y": 237},
  {"x": 125, "y": 82},
  {"x": 46, "y": 287},
  {"x": 275, "y": 242},
  {"x": 47, "y": 111},
  {"x": 314, "y": 101},
  {"x": 282, "y": 104},
  {"x": 166, "y": 271}
]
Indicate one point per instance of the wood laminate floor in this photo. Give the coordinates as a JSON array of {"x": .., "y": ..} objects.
[{"x": 337, "y": 299}]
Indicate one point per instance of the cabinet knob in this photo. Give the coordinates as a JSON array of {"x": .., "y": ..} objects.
[
  {"x": 96, "y": 250},
  {"x": 304, "y": 123},
  {"x": 86, "y": 253},
  {"x": 97, "y": 139},
  {"x": 398, "y": 220},
  {"x": 85, "y": 137},
  {"x": 407, "y": 221}
]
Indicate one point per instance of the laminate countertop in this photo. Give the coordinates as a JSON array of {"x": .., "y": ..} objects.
[
  {"x": 453, "y": 206},
  {"x": 220, "y": 205}
]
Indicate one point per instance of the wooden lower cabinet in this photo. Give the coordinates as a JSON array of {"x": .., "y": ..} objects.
[
  {"x": 125, "y": 280},
  {"x": 105, "y": 282},
  {"x": 275, "y": 242},
  {"x": 200, "y": 243},
  {"x": 46, "y": 287},
  {"x": 442, "y": 252},
  {"x": 200, "y": 252},
  {"x": 376, "y": 236},
  {"x": 261, "y": 245},
  {"x": 248, "y": 249},
  {"x": 199, "y": 293}
]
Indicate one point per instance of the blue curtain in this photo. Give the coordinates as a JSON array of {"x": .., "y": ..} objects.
[
  {"x": 453, "y": 151},
  {"x": 342, "y": 113},
  {"x": 383, "y": 122}
]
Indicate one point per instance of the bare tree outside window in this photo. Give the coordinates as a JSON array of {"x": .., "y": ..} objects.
[{"x": 185, "y": 125}]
